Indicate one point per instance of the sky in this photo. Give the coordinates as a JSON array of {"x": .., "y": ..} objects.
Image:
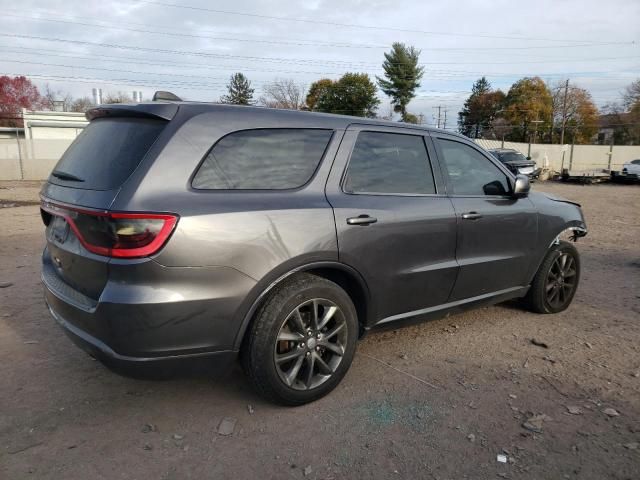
[{"x": 192, "y": 47}]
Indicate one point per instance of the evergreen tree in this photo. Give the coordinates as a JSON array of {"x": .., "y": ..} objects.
[
  {"x": 240, "y": 91},
  {"x": 402, "y": 76}
]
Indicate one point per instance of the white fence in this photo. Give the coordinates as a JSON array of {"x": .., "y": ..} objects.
[
  {"x": 576, "y": 157},
  {"x": 29, "y": 159},
  {"x": 34, "y": 159}
]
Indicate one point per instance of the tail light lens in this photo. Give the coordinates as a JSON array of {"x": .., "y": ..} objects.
[{"x": 115, "y": 234}]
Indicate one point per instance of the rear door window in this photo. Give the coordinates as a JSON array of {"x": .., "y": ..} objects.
[
  {"x": 389, "y": 163},
  {"x": 263, "y": 159},
  {"x": 106, "y": 153}
]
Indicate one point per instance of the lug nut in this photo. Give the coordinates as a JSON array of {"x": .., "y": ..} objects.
[
  {"x": 317, "y": 349},
  {"x": 308, "y": 353},
  {"x": 318, "y": 336}
]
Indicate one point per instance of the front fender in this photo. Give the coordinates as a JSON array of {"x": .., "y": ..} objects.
[
  {"x": 557, "y": 219},
  {"x": 555, "y": 216}
]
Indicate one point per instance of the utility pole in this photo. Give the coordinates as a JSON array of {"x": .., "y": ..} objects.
[
  {"x": 444, "y": 125},
  {"x": 535, "y": 132},
  {"x": 564, "y": 111},
  {"x": 438, "y": 107}
]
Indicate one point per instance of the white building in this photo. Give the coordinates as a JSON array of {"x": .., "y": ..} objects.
[{"x": 52, "y": 125}]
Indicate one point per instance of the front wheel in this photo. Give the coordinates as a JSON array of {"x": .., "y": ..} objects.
[
  {"x": 302, "y": 341},
  {"x": 556, "y": 281}
]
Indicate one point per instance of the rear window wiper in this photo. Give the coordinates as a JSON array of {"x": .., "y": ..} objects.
[{"x": 66, "y": 176}]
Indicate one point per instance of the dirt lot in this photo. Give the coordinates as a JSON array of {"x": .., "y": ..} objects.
[{"x": 439, "y": 400}]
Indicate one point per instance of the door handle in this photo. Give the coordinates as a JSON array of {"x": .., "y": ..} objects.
[
  {"x": 471, "y": 216},
  {"x": 361, "y": 220}
]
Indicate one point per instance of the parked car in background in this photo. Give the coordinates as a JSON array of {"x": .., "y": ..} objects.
[
  {"x": 631, "y": 168},
  {"x": 516, "y": 162},
  {"x": 184, "y": 232},
  {"x": 629, "y": 174}
]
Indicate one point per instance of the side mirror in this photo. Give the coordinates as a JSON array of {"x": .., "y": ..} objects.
[{"x": 521, "y": 186}]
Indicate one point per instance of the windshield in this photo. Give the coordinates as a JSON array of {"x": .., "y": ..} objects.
[{"x": 510, "y": 156}]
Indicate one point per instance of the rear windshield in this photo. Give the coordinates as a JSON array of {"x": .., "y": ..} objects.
[
  {"x": 265, "y": 159},
  {"x": 106, "y": 153}
]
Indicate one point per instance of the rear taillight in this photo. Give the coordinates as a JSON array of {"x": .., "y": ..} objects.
[{"x": 117, "y": 234}]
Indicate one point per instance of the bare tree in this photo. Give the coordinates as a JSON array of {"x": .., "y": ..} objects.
[
  {"x": 283, "y": 93},
  {"x": 81, "y": 104},
  {"x": 56, "y": 100},
  {"x": 631, "y": 95},
  {"x": 119, "y": 97}
]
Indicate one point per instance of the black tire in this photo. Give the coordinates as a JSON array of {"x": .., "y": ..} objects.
[
  {"x": 547, "y": 282},
  {"x": 261, "y": 357}
]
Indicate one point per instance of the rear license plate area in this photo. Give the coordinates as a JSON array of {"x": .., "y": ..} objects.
[{"x": 58, "y": 230}]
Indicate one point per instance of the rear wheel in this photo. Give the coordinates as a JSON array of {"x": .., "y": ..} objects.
[
  {"x": 556, "y": 281},
  {"x": 302, "y": 341}
]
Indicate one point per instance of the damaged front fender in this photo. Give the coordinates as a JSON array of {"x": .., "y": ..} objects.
[{"x": 572, "y": 234}]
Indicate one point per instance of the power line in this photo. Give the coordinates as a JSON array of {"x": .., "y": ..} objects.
[
  {"x": 349, "y": 25},
  {"x": 263, "y": 82},
  {"x": 302, "y": 43},
  {"x": 295, "y": 61},
  {"x": 208, "y": 85},
  {"x": 432, "y": 73},
  {"x": 165, "y": 83},
  {"x": 307, "y": 43}
]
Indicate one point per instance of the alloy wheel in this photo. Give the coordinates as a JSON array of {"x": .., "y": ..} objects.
[
  {"x": 311, "y": 344},
  {"x": 561, "y": 280}
]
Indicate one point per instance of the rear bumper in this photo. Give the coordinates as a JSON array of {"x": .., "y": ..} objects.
[
  {"x": 150, "y": 314},
  {"x": 209, "y": 362}
]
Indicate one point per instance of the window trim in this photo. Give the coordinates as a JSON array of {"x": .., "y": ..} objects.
[
  {"x": 421, "y": 135},
  {"x": 261, "y": 190},
  {"x": 445, "y": 173}
]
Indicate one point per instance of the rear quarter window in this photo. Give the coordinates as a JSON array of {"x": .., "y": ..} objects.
[
  {"x": 264, "y": 159},
  {"x": 106, "y": 153}
]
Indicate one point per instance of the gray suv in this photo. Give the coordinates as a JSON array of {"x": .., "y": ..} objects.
[{"x": 187, "y": 232}]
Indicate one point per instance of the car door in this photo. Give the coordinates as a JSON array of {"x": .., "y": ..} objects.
[
  {"x": 394, "y": 222},
  {"x": 497, "y": 233}
]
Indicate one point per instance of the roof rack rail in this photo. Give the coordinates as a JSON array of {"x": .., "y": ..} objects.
[{"x": 165, "y": 96}]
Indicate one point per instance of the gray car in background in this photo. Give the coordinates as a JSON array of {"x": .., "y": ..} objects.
[
  {"x": 516, "y": 162},
  {"x": 188, "y": 233}
]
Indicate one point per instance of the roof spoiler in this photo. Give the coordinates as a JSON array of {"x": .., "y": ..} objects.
[{"x": 164, "y": 111}]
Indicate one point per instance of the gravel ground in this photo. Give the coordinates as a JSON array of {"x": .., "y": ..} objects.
[{"x": 440, "y": 400}]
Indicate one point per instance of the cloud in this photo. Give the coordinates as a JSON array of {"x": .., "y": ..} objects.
[{"x": 146, "y": 46}]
